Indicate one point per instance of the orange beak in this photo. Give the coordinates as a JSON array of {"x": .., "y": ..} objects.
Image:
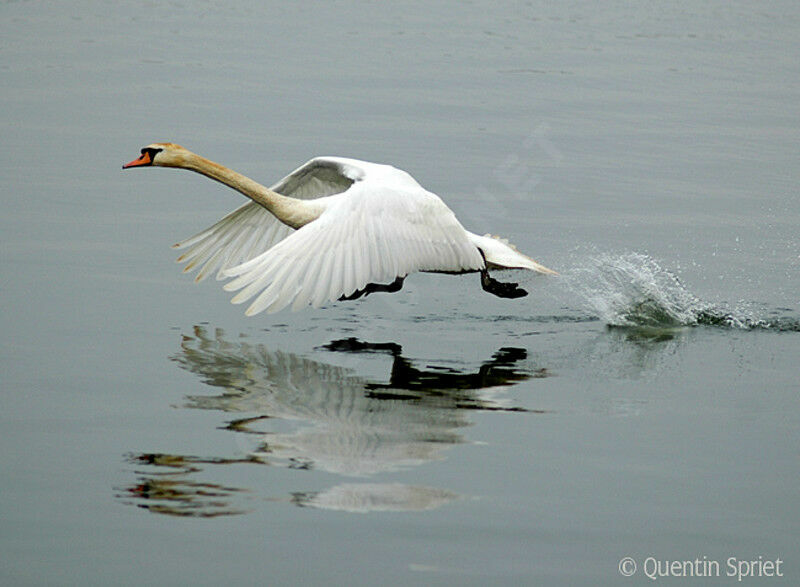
[{"x": 143, "y": 160}]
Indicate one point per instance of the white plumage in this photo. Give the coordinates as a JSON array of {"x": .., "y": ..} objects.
[{"x": 353, "y": 225}]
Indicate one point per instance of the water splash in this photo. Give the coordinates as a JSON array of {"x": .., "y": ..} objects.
[{"x": 633, "y": 290}]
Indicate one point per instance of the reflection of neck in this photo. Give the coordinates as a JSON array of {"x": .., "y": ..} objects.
[{"x": 290, "y": 211}]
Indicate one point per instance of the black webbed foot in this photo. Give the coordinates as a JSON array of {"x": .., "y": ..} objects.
[
  {"x": 500, "y": 289},
  {"x": 395, "y": 286}
]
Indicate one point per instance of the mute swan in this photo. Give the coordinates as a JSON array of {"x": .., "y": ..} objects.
[{"x": 333, "y": 229}]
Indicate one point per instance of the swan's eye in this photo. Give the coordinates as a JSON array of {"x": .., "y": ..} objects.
[{"x": 151, "y": 152}]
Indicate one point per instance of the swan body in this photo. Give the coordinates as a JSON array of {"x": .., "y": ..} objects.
[{"x": 333, "y": 229}]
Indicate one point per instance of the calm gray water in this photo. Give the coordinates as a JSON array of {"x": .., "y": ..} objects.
[{"x": 152, "y": 434}]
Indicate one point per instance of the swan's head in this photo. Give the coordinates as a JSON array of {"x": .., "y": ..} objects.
[{"x": 161, "y": 155}]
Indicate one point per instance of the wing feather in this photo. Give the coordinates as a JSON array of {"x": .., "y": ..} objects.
[
  {"x": 250, "y": 230},
  {"x": 367, "y": 236},
  {"x": 320, "y": 289}
]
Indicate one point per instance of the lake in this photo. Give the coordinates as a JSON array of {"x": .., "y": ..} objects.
[{"x": 639, "y": 410}]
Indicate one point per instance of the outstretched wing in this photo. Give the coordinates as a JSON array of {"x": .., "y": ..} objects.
[
  {"x": 368, "y": 235},
  {"x": 250, "y": 230}
]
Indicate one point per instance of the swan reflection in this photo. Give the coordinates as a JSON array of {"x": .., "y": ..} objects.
[{"x": 341, "y": 421}]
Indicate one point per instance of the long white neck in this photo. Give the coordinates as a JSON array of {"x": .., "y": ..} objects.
[{"x": 290, "y": 211}]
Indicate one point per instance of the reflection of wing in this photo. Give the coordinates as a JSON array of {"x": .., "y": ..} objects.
[
  {"x": 355, "y": 427},
  {"x": 347, "y": 432},
  {"x": 250, "y": 230},
  {"x": 276, "y": 384}
]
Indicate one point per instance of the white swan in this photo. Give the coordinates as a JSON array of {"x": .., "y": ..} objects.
[{"x": 332, "y": 229}]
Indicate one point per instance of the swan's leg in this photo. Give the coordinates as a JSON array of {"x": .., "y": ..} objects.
[
  {"x": 396, "y": 285},
  {"x": 500, "y": 289}
]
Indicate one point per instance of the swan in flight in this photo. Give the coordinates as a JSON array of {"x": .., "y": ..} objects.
[{"x": 333, "y": 229}]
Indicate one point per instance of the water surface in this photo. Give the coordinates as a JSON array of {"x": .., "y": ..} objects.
[{"x": 643, "y": 404}]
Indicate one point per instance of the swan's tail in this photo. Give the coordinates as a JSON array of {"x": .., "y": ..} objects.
[{"x": 499, "y": 253}]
